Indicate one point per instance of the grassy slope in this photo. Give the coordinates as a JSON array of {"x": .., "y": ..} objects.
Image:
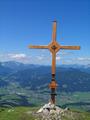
[
  {"x": 19, "y": 113},
  {"x": 23, "y": 113}
]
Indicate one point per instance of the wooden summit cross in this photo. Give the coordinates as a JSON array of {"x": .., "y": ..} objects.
[{"x": 54, "y": 47}]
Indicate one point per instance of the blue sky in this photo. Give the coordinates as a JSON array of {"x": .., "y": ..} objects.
[{"x": 24, "y": 22}]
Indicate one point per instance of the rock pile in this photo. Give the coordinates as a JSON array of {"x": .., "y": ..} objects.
[{"x": 50, "y": 112}]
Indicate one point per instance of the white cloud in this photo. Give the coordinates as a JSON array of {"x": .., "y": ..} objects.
[
  {"x": 65, "y": 53},
  {"x": 83, "y": 59},
  {"x": 43, "y": 59},
  {"x": 40, "y": 58},
  {"x": 17, "y": 56},
  {"x": 78, "y": 60},
  {"x": 58, "y": 58},
  {"x": 73, "y": 60}
]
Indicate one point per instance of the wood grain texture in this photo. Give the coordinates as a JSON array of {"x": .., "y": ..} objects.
[
  {"x": 53, "y": 63},
  {"x": 70, "y": 47},
  {"x": 54, "y": 31},
  {"x": 38, "y": 47}
]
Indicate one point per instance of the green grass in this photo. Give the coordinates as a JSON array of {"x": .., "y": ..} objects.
[
  {"x": 75, "y": 98},
  {"x": 71, "y": 100},
  {"x": 23, "y": 113},
  {"x": 20, "y": 113},
  {"x": 17, "y": 113}
]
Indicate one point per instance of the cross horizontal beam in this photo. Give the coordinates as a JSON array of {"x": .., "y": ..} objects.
[
  {"x": 38, "y": 47},
  {"x": 58, "y": 47},
  {"x": 70, "y": 47}
]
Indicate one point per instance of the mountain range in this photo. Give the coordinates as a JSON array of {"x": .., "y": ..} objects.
[{"x": 70, "y": 78}]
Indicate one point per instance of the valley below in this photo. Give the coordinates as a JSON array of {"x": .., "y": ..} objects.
[{"x": 24, "y": 87}]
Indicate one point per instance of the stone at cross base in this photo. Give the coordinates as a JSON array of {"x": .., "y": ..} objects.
[{"x": 54, "y": 47}]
